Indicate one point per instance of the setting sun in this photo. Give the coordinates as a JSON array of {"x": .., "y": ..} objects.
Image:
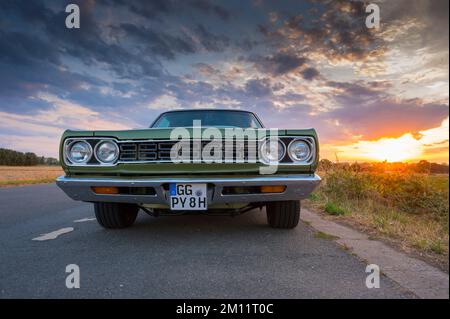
[
  {"x": 408, "y": 147},
  {"x": 391, "y": 149}
]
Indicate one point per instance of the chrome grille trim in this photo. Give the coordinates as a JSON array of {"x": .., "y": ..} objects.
[{"x": 158, "y": 151}]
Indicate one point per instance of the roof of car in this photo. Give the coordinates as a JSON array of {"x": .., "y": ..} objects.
[{"x": 194, "y": 110}]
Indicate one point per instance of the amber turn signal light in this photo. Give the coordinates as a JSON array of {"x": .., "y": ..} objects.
[
  {"x": 105, "y": 190},
  {"x": 273, "y": 189}
]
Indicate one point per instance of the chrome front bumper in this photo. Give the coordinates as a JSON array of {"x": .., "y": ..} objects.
[{"x": 298, "y": 186}]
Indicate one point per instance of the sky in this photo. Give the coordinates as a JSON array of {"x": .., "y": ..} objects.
[{"x": 371, "y": 94}]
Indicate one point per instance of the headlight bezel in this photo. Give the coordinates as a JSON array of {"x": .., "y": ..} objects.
[
  {"x": 68, "y": 150},
  {"x": 309, "y": 141},
  {"x": 116, "y": 146},
  {"x": 93, "y": 143},
  {"x": 265, "y": 142}
]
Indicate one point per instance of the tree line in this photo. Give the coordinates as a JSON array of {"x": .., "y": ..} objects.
[{"x": 15, "y": 158}]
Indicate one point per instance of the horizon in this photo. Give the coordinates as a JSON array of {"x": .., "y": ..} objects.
[
  {"x": 320, "y": 159},
  {"x": 371, "y": 94}
]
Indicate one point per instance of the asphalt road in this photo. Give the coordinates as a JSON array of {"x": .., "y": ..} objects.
[{"x": 168, "y": 257}]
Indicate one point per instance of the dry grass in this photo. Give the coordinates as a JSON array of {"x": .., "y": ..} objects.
[
  {"x": 23, "y": 175},
  {"x": 409, "y": 209}
]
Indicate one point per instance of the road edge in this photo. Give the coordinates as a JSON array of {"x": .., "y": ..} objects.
[{"x": 422, "y": 279}]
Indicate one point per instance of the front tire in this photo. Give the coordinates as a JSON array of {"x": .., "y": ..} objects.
[
  {"x": 284, "y": 214},
  {"x": 115, "y": 215}
]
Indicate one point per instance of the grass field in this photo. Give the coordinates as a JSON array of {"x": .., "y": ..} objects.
[
  {"x": 25, "y": 175},
  {"x": 410, "y": 210}
]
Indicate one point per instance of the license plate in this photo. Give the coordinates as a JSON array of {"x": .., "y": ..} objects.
[{"x": 188, "y": 196}]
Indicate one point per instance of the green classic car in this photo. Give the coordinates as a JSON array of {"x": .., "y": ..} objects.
[{"x": 191, "y": 161}]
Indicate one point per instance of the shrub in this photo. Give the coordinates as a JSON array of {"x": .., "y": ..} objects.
[
  {"x": 408, "y": 192},
  {"x": 333, "y": 209}
]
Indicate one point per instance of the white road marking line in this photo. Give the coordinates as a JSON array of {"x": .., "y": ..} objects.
[
  {"x": 83, "y": 220},
  {"x": 54, "y": 234}
]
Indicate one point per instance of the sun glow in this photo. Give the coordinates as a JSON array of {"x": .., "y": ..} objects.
[
  {"x": 405, "y": 148},
  {"x": 391, "y": 149}
]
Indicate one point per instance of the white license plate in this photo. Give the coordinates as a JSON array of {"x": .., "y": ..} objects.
[{"x": 188, "y": 196}]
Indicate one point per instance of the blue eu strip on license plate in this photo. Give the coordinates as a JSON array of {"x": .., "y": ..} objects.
[
  {"x": 184, "y": 196},
  {"x": 173, "y": 189}
]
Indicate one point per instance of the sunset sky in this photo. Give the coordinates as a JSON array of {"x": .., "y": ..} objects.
[{"x": 371, "y": 94}]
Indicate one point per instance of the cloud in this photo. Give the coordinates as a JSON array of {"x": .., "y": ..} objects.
[
  {"x": 40, "y": 132},
  {"x": 259, "y": 87},
  {"x": 164, "y": 102},
  {"x": 210, "y": 41},
  {"x": 206, "y": 69},
  {"x": 310, "y": 73},
  {"x": 157, "y": 8},
  {"x": 367, "y": 111},
  {"x": 277, "y": 64},
  {"x": 210, "y": 8},
  {"x": 335, "y": 32},
  {"x": 158, "y": 43}
]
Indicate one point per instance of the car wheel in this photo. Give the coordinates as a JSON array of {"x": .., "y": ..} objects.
[
  {"x": 283, "y": 214},
  {"x": 115, "y": 215}
]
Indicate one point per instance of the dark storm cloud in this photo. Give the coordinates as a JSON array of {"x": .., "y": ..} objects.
[
  {"x": 88, "y": 44},
  {"x": 433, "y": 16},
  {"x": 156, "y": 8},
  {"x": 258, "y": 87},
  {"x": 29, "y": 64},
  {"x": 310, "y": 73},
  {"x": 148, "y": 9},
  {"x": 206, "y": 69},
  {"x": 358, "y": 89},
  {"x": 158, "y": 43},
  {"x": 277, "y": 64},
  {"x": 85, "y": 43},
  {"x": 337, "y": 30},
  {"x": 15, "y": 48},
  {"x": 210, "y": 8},
  {"x": 35, "y": 47},
  {"x": 210, "y": 41}
]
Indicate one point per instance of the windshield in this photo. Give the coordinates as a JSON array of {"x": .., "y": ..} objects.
[{"x": 207, "y": 118}]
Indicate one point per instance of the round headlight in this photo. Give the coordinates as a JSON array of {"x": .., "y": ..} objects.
[
  {"x": 80, "y": 152},
  {"x": 107, "y": 152},
  {"x": 299, "y": 150},
  {"x": 272, "y": 150}
]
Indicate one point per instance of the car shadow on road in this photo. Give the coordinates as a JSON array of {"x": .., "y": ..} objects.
[
  {"x": 252, "y": 221},
  {"x": 244, "y": 230}
]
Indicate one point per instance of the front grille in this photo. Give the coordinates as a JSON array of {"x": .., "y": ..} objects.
[{"x": 159, "y": 151}]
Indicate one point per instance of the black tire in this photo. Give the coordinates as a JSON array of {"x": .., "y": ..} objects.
[
  {"x": 115, "y": 215},
  {"x": 283, "y": 214}
]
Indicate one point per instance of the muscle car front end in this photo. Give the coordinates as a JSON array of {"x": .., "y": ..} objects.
[{"x": 122, "y": 172}]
